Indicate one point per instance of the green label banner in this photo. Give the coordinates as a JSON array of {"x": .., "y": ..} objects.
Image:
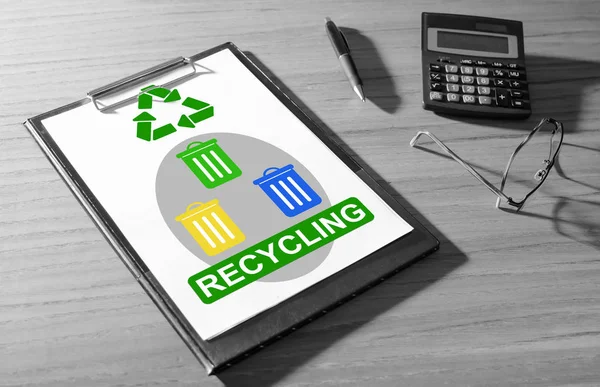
[{"x": 281, "y": 249}]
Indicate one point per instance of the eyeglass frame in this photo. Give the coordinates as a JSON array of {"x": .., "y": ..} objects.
[{"x": 498, "y": 192}]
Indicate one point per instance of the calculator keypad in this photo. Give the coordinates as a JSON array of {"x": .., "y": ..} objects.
[
  {"x": 517, "y": 94},
  {"x": 452, "y": 97},
  {"x": 477, "y": 82},
  {"x": 484, "y": 100},
  {"x": 483, "y": 81},
  {"x": 452, "y": 88},
  {"x": 452, "y": 78},
  {"x": 468, "y": 98},
  {"x": 501, "y": 83},
  {"x": 436, "y": 96},
  {"x": 502, "y": 97},
  {"x": 435, "y": 76},
  {"x": 514, "y": 74},
  {"x": 483, "y": 90},
  {"x": 515, "y": 84},
  {"x": 435, "y": 86}
]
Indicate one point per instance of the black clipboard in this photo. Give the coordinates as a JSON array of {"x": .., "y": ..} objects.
[{"x": 274, "y": 323}]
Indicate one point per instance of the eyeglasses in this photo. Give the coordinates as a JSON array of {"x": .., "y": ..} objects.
[{"x": 523, "y": 174}]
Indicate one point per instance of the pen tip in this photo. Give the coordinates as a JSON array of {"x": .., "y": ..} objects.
[
  {"x": 359, "y": 91},
  {"x": 327, "y": 19}
]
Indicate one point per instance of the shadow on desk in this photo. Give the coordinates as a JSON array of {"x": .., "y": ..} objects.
[
  {"x": 378, "y": 83},
  {"x": 557, "y": 88},
  {"x": 575, "y": 219},
  {"x": 273, "y": 363},
  {"x": 571, "y": 217}
]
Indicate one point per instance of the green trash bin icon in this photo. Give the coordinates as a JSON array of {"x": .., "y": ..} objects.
[{"x": 211, "y": 165}]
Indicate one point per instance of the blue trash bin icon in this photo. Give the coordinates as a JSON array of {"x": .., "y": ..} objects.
[{"x": 288, "y": 190}]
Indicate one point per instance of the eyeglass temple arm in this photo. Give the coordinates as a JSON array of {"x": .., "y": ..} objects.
[{"x": 472, "y": 171}]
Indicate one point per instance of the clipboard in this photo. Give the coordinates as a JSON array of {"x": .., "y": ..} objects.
[{"x": 274, "y": 323}]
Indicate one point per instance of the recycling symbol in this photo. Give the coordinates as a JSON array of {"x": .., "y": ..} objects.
[{"x": 201, "y": 111}]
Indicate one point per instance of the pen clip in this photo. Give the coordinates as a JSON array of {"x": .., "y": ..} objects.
[{"x": 345, "y": 40}]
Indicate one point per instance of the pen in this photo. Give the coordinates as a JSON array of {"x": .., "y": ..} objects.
[{"x": 342, "y": 51}]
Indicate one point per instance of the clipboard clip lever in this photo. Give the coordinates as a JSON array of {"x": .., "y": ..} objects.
[{"x": 127, "y": 82}]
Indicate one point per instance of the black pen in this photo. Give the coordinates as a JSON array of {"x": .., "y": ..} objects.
[{"x": 342, "y": 51}]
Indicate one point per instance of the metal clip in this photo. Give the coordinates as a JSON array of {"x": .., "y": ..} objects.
[{"x": 137, "y": 78}]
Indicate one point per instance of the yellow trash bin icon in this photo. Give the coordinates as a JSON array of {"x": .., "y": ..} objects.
[{"x": 211, "y": 227}]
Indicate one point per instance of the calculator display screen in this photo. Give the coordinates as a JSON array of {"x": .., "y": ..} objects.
[{"x": 485, "y": 43}]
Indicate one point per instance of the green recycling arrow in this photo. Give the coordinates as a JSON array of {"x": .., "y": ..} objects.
[
  {"x": 144, "y": 120},
  {"x": 203, "y": 111}
]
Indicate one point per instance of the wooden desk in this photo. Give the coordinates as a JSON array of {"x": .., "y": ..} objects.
[{"x": 508, "y": 300}]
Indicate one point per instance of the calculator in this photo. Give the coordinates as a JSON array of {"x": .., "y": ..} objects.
[{"x": 474, "y": 66}]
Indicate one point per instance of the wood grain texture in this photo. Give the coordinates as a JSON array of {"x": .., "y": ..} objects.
[{"x": 508, "y": 300}]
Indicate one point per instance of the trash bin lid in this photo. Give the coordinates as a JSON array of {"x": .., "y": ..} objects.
[
  {"x": 196, "y": 146},
  {"x": 196, "y": 208},
  {"x": 271, "y": 173}
]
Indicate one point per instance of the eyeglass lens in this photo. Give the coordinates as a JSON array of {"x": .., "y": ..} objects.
[{"x": 532, "y": 162}]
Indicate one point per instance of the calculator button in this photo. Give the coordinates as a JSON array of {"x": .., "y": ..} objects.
[
  {"x": 497, "y": 64},
  {"x": 483, "y": 90},
  {"x": 468, "y": 89},
  {"x": 466, "y": 62},
  {"x": 498, "y": 73},
  {"x": 452, "y": 97},
  {"x": 435, "y": 77},
  {"x": 467, "y": 79},
  {"x": 518, "y": 94},
  {"x": 451, "y": 68},
  {"x": 483, "y": 81},
  {"x": 513, "y": 66},
  {"x": 436, "y": 86},
  {"x": 481, "y": 71},
  {"x": 452, "y": 78},
  {"x": 435, "y": 67},
  {"x": 519, "y": 104},
  {"x": 468, "y": 99},
  {"x": 436, "y": 96},
  {"x": 485, "y": 100},
  {"x": 515, "y": 74},
  {"x": 481, "y": 63},
  {"x": 466, "y": 70},
  {"x": 500, "y": 82},
  {"x": 452, "y": 87},
  {"x": 502, "y": 97},
  {"x": 515, "y": 84}
]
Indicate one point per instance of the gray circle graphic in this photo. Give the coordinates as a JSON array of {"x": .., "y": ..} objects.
[{"x": 251, "y": 209}]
